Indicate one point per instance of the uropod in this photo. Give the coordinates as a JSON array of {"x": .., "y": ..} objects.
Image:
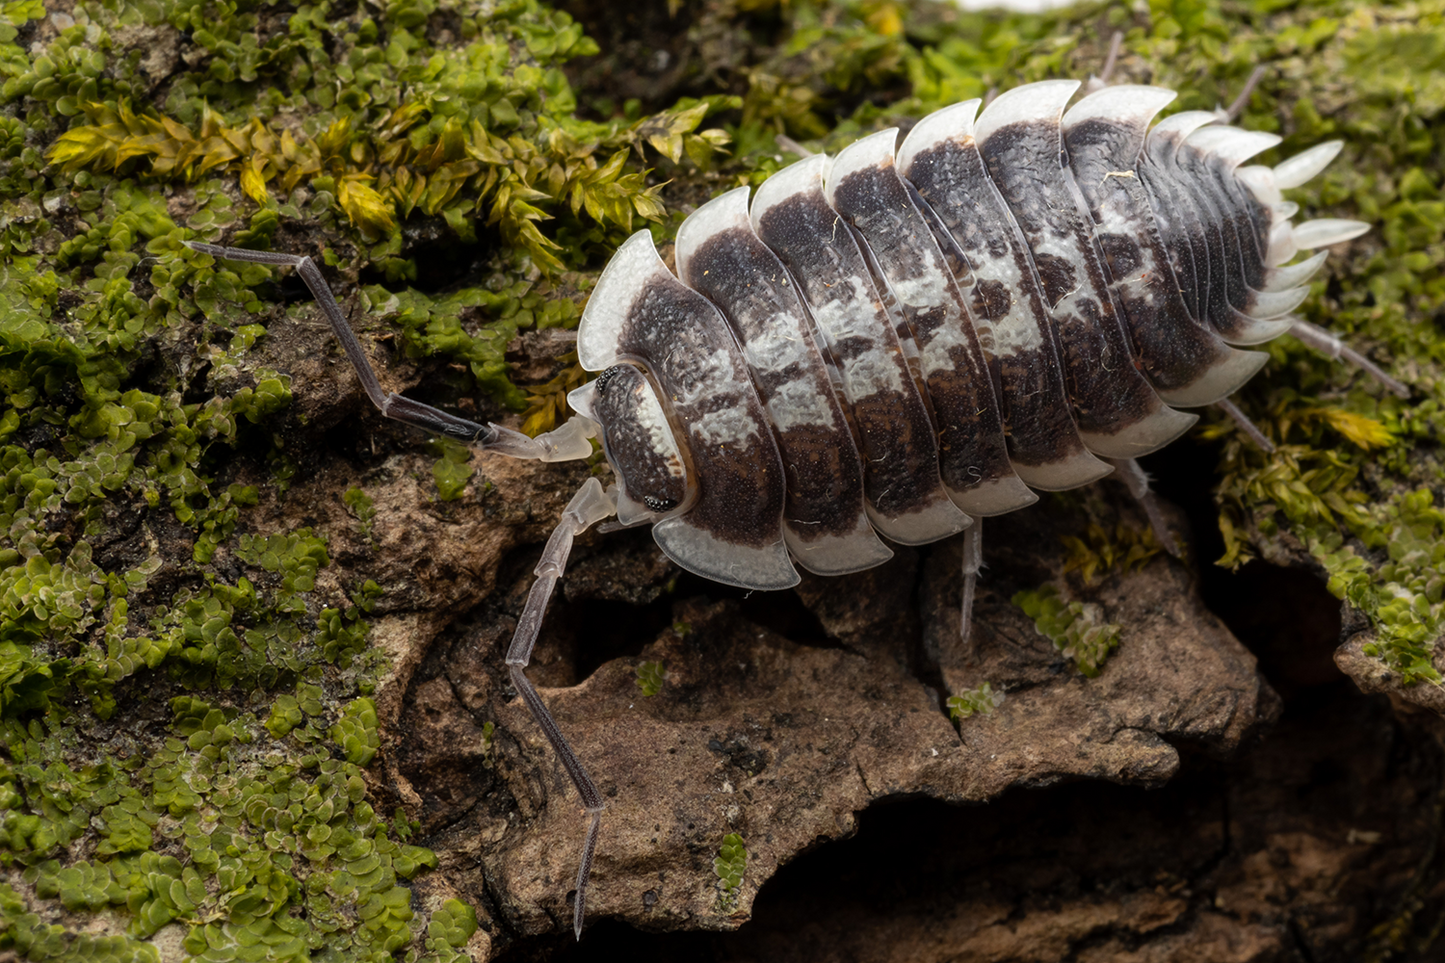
[{"x": 895, "y": 343}]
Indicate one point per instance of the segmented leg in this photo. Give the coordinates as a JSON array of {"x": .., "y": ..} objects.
[
  {"x": 1245, "y": 425},
  {"x": 972, "y": 563},
  {"x": 590, "y": 505},
  {"x": 1116, "y": 44},
  {"x": 787, "y": 144},
  {"x": 568, "y": 443},
  {"x": 1132, "y": 475},
  {"x": 1232, "y": 112},
  {"x": 1332, "y": 347}
]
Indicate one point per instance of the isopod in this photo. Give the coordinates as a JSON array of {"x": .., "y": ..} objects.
[{"x": 892, "y": 344}]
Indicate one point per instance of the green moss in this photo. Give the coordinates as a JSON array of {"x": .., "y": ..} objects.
[
  {"x": 453, "y": 469},
  {"x": 1077, "y": 629},
  {"x": 449, "y": 929},
  {"x": 355, "y": 732},
  {"x": 483, "y": 134},
  {"x": 26, "y": 934},
  {"x": 489, "y": 735},
  {"x": 1099, "y": 552},
  {"x": 1404, "y": 592},
  {"x": 650, "y": 678},
  {"x": 731, "y": 863},
  {"x": 980, "y": 700},
  {"x": 268, "y": 815},
  {"x": 361, "y": 506}
]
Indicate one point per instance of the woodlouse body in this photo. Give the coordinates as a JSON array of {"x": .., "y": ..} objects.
[{"x": 899, "y": 344}]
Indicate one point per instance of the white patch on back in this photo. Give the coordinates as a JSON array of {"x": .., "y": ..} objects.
[
  {"x": 800, "y": 404},
  {"x": 726, "y": 426}
]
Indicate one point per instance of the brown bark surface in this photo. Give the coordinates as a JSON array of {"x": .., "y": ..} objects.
[{"x": 1213, "y": 821}]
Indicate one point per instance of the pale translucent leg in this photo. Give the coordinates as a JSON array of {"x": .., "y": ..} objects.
[
  {"x": 786, "y": 143},
  {"x": 1232, "y": 112},
  {"x": 1116, "y": 43},
  {"x": 1245, "y": 425},
  {"x": 567, "y": 443},
  {"x": 589, "y": 506},
  {"x": 1132, "y": 475},
  {"x": 1332, "y": 347},
  {"x": 972, "y": 563}
]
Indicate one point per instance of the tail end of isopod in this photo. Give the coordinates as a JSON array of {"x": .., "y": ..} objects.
[
  {"x": 1287, "y": 239},
  {"x": 1245, "y": 330},
  {"x": 1306, "y": 165},
  {"x": 1266, "y": 305},
  {"x": 1322, "y": 232},
  {"x": 1294, "y": 275},
  {"x": 1231, "y": 144}
]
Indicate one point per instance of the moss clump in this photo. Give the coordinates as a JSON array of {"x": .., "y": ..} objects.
[
  {"x": 650, "y": 678},
  {"x": 452, "y": 469},
  {"x": 255, "y": 822},
  {"x": 980, "y": 700},
  {"x": 363, "y": 508},
  {"x": 1077, "y": 629},
  {"x": 29, "y": 936},
  {"x": 1404, "y": 592},
  {"x": 1098, "y": 551},
  {"x": 731, "y": 863},
  {"x": 448, "y": 930},
  {"x": 485, "y": 131},
  {"x": 547, "y": 403}
]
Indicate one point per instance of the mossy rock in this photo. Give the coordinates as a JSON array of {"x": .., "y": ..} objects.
[{"x": 222, "y": 574}]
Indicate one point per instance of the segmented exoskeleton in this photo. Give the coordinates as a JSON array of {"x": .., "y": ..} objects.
[{"x": 892, "y": 344}]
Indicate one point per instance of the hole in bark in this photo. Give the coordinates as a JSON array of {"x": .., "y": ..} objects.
[
  {"x": 443, "y": 263},
  {"x": 613, "y": 630},
  {"x": 1285, "y": 616},
  {"x": 606, "y": 630},
  {"x": 1185, "y": 870}
]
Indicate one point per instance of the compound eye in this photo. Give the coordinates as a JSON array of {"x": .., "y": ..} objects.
[
  {"x": 640, "y": 444},
  {"x": 605, "y": 378}
]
